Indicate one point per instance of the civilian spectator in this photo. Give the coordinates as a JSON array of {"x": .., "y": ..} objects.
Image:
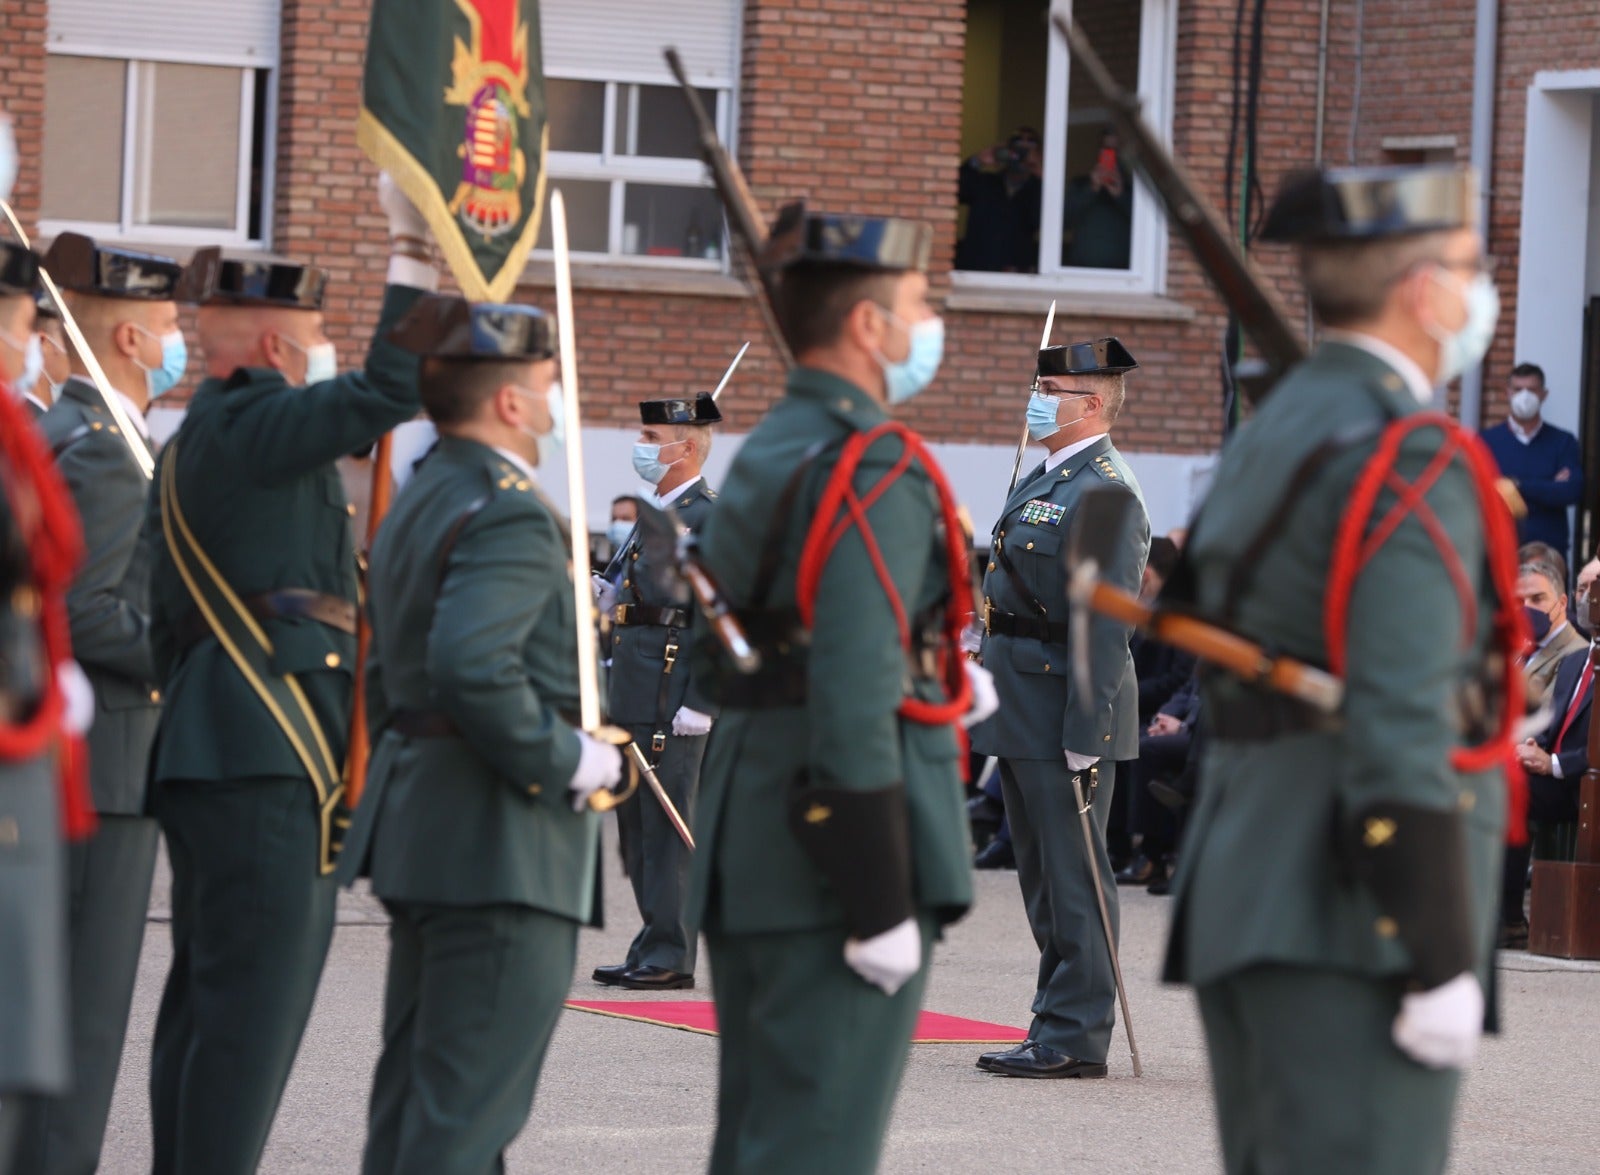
[
  {"x": 1540, "y": 587},
  {"x": 1543, "y": 461},
  {"x": 1097, "y": 220},
  {"x": 1163, "y": 754},
  {"x": 1001, "y": 188}
]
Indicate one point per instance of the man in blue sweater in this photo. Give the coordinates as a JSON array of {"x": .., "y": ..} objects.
[{"x": 1544, "y": 461}]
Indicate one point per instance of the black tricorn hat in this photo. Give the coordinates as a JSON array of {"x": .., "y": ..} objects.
[
  {"x": 1367, "y": 203},
  {"x": 700, "y": 410},
  {"x": 443, "y": 326},
  {"x": 213, "y": 280},
  {"x": 19, "y": 269},
  {"x": 885, "y": 243},
  {"x": 76, "y": 263},
  {"x": 1105, "y": 356}
]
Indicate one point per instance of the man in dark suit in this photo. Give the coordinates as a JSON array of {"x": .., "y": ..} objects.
[
  {"x": 1555, "y": 762},
  {"x": 1163, "y": 753}
]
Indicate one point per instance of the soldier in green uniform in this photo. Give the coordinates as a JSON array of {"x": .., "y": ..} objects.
[
  {"x": 1048, "y": 728},
  {"x": 1337, "y": 894},
  {"x": 474, "y": 826},
  {"x": 832, "y": 840},
  {"x": 35, "y": 1057},
  {"x": 652, "y": 692},
  {"x": 253, "y": 624},
  {"x": 124, "y": 304}
]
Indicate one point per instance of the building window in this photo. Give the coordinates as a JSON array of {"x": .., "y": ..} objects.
[
  {"x": 156, "y": 151},
  {"x": 627, "y": 160},
  {"x": 622, "y": 147},
  {"x": 1045, "y": 193}
]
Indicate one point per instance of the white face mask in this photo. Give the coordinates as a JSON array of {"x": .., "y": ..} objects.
[
  {"x": 322, "y": 361},
  {"x": 1462, "y": 348},
  {"x": 32, "y": 366},
  {"x": 1525, "y": 404}
]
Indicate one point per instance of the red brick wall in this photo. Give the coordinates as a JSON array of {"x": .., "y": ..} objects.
[{"x": 22, "y": 32}]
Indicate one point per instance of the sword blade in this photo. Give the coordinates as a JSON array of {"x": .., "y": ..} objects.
[
  {"x": 130, "y": 434},
  {"x": 1022, "y": 444},
  {"x": 727, "y": 375},
  {"x": 1090, "y": 846},
  {"x": 674, "y": 817},
  {"x": 577, "y": 504}
]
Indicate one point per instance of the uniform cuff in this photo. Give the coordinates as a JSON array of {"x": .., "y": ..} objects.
[{"x": 408, "y": 271}]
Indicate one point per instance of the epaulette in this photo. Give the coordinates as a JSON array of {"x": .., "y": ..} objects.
[
  {"x": 1104, "y": 466},
  {"x": 511, "y": 478}
]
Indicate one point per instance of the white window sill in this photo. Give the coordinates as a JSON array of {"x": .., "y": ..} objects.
[
  {"x": 638, "y": 279},
  {"x": 1070, "y": 302}
]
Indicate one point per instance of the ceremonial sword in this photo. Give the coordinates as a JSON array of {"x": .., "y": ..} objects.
[
  {"x": 727, "y": 375},
  {"x": 577, "y": 505},
  {"x": 1022, "y": 444},
  {"x": 97, "y": 374}
]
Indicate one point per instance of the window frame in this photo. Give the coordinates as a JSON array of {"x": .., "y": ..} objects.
[
  {"x": 137, "y": 139},
  {"x": 1147, "y": 268},
  {"x": 619, "y": 170}
]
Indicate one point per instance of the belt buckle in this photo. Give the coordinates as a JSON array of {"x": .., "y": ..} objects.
[
  {"x": 619, "y": 614},
  {"x": 658, "y": 742},
  {"x": 988, "y": 611},
  {"x": 671, "y": 656}
]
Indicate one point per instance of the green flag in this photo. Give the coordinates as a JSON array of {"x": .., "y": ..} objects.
[{"x": 452, "y": 106}]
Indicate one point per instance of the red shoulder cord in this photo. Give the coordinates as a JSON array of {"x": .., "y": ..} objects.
[
  {"x": 48, "y": 524},
  {"x": 828, "y": 527},
  {"x": 1358, "y": 541}
]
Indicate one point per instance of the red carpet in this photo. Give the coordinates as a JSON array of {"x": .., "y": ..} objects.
[{"x": 701, "y": 1016}]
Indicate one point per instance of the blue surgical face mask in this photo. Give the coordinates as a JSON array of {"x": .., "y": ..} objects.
[
  {"x": 1461, "y": 349},
  {"x": 1043, "y": 409},
  {"x": 617, "y": 533},
  {"x": 647, "y": 461},
  {"x": 174, "y": 360},
  {"x": 915, "y": 372}
]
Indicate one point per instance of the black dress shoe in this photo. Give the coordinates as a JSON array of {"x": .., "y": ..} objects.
[
  {"x": 1039, "y": 1060},
  {"x": 1141, "y": 871},
  {"x": 655, "y": 979},
  {"x": 1161, "y": 886},
  {"x": 612, "y": 975},
  {"x": 997, "y": 854},
  {"x": 987, "y": 1060}
]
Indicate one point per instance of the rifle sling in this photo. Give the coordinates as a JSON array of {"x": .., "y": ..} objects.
[{"x": 250, "y": 650}]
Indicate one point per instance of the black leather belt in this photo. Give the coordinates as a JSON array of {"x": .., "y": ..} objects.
[
  {"x": 1000, "y": 623},
  {"x": 438, "y": 724},
  {"x": 1261, "y": 716},
  {"x": 283, "y": 603},
  {"x": 627, "y": 615}
]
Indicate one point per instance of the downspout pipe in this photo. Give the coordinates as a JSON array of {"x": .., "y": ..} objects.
[{"x": 1484, "y": 71}]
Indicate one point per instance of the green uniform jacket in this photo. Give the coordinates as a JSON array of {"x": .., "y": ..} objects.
[
  {"x": 109, "y": 604},
  {"x": 750, "y": 874},
  {"x": 1258, "y": 880},
  {"x": 1041, "y": 714},
  {"x": 256, "y": 478},
  {"x": 482, "y": 630},
  {"x": 638, "y": 651}
]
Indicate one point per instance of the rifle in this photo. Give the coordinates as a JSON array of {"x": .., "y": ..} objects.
[
  {"x": 1230, "y": 271},
  {"x": 747, "y": 226}
]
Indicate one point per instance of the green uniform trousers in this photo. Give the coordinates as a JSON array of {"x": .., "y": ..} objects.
[
  {"x": 656, "y": 858},
  {"x": 108, "y": 898},
  {"x": 471, "y": 1000},
  {"x": 251, "y": 923},
  {"x": 811, "y": 1053},
  {"x": 1308, "y": 1080},
  {"x": 1075, "y": 1001}
]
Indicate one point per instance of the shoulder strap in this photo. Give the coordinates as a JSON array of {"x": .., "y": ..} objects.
[
  {"x": 250, "y": 650},
  {"x": 778, "y": 525},
  {"x": 72, "y": 438}
]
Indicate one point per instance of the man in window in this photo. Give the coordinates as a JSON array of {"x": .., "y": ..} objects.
[
  {"x": 1097, "y": 219},
  {"x": 1001, "y": 188},
  {"x": 1545, "y": 462}
]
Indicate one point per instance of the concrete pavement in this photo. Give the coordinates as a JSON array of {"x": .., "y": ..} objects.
[{"x": 618, "y": 1096}]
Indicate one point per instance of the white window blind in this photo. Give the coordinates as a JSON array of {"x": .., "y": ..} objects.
[
  {"x": 218, "y": 32},
  {"x": 621, "y": 40}
]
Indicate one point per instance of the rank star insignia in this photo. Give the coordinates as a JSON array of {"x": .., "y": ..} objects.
[{"x": 1042, "y": 513}]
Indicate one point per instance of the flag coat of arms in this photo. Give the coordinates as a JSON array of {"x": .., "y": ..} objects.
[{"x": 453, "y": 108}]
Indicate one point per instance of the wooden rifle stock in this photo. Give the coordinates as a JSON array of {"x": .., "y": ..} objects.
[
  {"x": 1234, "y": 276},
  {"x": 360, "y": 746},
  {"x": 1217, "y": 646},
  {"x": 748, "y": 226}
]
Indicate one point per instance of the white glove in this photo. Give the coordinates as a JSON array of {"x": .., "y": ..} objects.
[
  {"x": 77, "y": 696},
  {"x": 599, "y": 767},
  {"x": 690, "y": 723},
  {"x": 985, "y": 699},
  {"x": 1440, "y": 1027},
  {"x": 1077, "y": 762},
  {"x": 605, "y": 593},
  {"x": 972, "y": 638},
  {"x": 886, "y": 960},
  {"x": 404, "y": 219}
]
